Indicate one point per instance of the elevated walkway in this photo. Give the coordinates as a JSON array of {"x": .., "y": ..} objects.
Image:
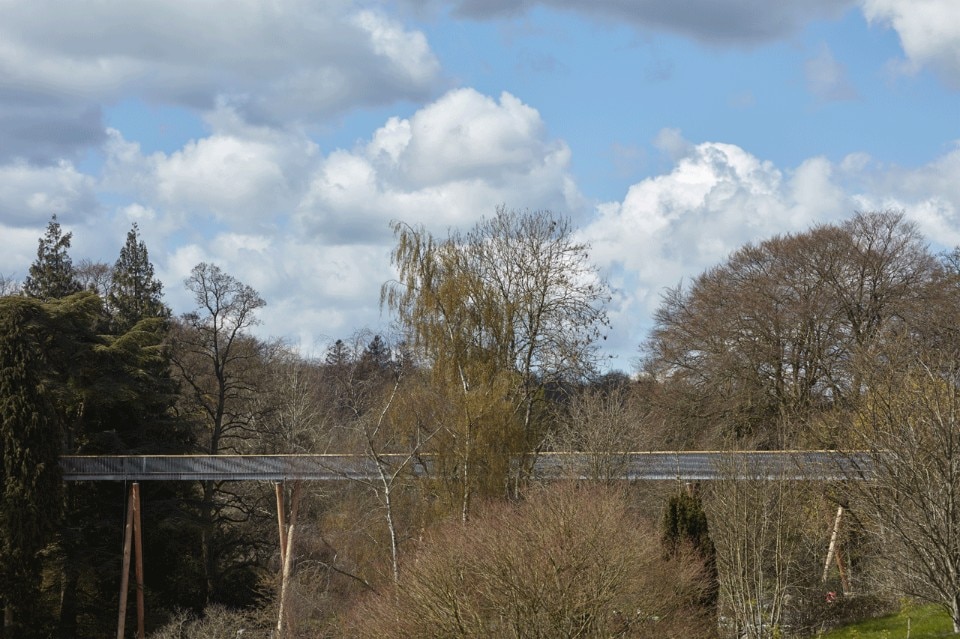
[{"x": 821, "y": 465}]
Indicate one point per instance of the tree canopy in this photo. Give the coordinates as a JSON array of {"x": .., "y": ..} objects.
[{"x": 52, "y": 275}]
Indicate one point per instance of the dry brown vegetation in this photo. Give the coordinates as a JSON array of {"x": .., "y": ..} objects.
[{"x": 567, "y": 561}]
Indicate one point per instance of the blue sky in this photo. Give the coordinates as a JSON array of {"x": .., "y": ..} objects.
[{"x": 278, "y": 139}]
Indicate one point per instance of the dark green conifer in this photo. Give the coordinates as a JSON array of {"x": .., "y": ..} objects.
[
  {"x": 30, "y": 486},
  {"x": 685, "y": 526},
  {"x": 135, "y": 293},
  {"x": 52, "y": 275},
  {"x": 376, "y": 357}
]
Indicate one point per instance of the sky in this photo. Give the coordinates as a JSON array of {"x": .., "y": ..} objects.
[{"x": 278, "y": 139}]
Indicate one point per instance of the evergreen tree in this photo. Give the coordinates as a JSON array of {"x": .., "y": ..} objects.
[
  {"x": 685, "y": 526},
  {"x": 135, "y": 294},
  {"x": 30, "y": 502},
  {"x": 338, "y": 355},
  {"x": 66, "y": 389},
  {"x": 376, "y": 358},
  {"x": 52, "y": 275}
]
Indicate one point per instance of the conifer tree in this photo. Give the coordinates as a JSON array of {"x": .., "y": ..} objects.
[
  {"x": 52, "y": 275},
  {"x": 29, "y": 473},
  {"x": 685, "y": 525},
  {"x": 135, "y": 293},
  {"x": 376, "y": 358},
  {"x": 338, "y": 355}
]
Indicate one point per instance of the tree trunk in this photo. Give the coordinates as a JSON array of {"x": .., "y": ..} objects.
[
  {"x": 68, "y": 595},
  {"x": 284, "y": 627},
  {"x": 955, "y": 612},
  {"x": 70, "y": 575},
  {"x": 206, "y": 541}
]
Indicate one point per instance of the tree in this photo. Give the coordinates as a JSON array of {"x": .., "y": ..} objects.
[
  {"x": 94, "y": 276},
  {"x": 757, "y": 532},
  {"x": 566, "y": 561},
  {"x": 103, "y": 394},
  {"x": 684, "y": 528},
  {"x": 52, "y": 275},
  {"x": 499, "y": 314},
  {"x": 9, "y": 286},
  {"x": 30, "y": 505},
  {"x": 134, "y": 292},
  {"x": 766, "y": 340},
  {"x": 606, "y": 424},
  {"x": 220, "y": 368},
  {"x": 909, "y": 422},
  {"x": 214, "y": 355},
  {"x": 376, "y": 358}
]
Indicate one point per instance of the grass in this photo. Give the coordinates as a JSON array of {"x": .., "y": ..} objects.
[{"x": 923, "y": 622}]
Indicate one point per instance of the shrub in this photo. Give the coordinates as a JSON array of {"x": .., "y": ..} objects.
[{"x": 568, "y": 561}]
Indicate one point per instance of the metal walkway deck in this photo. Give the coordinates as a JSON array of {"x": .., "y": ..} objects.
[{"x": 689, "y": 466}]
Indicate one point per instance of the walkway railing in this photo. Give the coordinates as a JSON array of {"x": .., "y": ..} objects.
[{"x": 823, "y": 465}]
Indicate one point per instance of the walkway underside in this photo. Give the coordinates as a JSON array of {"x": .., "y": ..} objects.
[{"x": 687, "y": 466}]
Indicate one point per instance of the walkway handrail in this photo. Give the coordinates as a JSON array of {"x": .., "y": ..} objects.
[{"x": 819, "y": 465}]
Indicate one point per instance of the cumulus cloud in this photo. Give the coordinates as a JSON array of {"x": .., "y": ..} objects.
[
  {"x": 30, "y": 194},
  {"x": 827, "y": 78},
  {"x": 310, "y": 230},
  {"x": 717, "y": 197},
  {"x": 450, "y": 163},
  {"x": 929, "y": 32},
  {"x": 241, "y": 174},
  {"x": 274, "y": 62},
  {"x": 725, "y": 22},
  {"x": 928, "y": 194}
]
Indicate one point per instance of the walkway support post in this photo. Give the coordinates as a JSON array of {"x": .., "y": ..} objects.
[
  {"x": 832, "y": 548},
  {"x": 125, "y": 569},
  {"x": 138, "y": 554},
  {"x": 283, "y": 614},
  {"x": 281, "y": 523}
]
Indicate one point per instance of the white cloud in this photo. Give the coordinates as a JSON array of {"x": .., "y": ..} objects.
[
  {"x": 243, "y": 175},
  {"x": 827, "y": 78},
  {"x": 31, "y": 194},
  {"x": 671, "y": 227},
  {"x": 274, "y": 60},
  {"x": 929, "y": 32},
  {"x": 718, "y": 197},
  {"x": 310, "y": 230},
  {"x": 450, "y": 163},
  {"x": 929, "y": 194}
]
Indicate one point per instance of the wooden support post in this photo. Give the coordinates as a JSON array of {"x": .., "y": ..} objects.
[
  {"x": 844, "y": 580},
  {"x": 138, "y": 550},
  {"x": 832, "y": 548},
  {"x": 283, "y": 625},
  {"x": 281, "y": 523},
  {"x": 125, "y": 570}
]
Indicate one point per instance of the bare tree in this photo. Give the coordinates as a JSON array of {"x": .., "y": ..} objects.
[
  {"x": 219, "y": 366},
  {"x": 216, "y": 358},
  {"x": 9, "y": 285},
  {"x": 765, "y": 551},
  {"x": 605, "y": 424},
  {"x": 909, "y": 422},
  {"x": 764, "y": 341},
  {"x": 94, "y": 276}
]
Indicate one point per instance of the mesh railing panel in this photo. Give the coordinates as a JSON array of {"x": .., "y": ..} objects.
[{"x": 688, "y": 466}]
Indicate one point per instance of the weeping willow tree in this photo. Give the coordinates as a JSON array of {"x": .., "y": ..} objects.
[{"x": 500, "y": 314}]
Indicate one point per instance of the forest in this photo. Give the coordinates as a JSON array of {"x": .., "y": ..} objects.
[{"x": 843, "y": 337}]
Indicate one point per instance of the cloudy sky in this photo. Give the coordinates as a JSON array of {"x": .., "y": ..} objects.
[{"x": 278, "y": 138}]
